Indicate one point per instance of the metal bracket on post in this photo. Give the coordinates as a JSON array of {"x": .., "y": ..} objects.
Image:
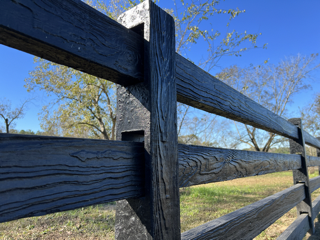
[
  {"x": 301, "y": 175},
  {"x": 150, "y": 107}
]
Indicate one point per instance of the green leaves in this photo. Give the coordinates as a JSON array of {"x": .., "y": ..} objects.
[
  {"x": 84, "y": 105},
  {"x": 192, "y": 18}
]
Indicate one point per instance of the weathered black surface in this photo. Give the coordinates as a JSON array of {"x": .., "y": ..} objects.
[
  {"x": 73, "y": 173},
  {"x": 313, "y": 161},
  {"x": 199, "y": 165},
  {"x": 314, "y": 183},
  {"x": 297, "y": 230},
  {"x": 151, "y": 107},
  {"x": 301, "y": 175},
  {"x": 61, "y": 163},
  {"x": 72, "y": 33},
  {"x": 199, "y": 89},
  {"x": 315, "y": 208},
  {"x": 248, "y": 222},
  {"x": 311, "y": 140},
  {"x": 300, "y": 226},
  {"x": 41, "y": 175}
]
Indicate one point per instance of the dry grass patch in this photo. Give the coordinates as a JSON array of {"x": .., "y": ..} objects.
[
  {"x": 225, "y": 197},
  {"x": 203, "y": 203},
  {"x": 94, "y": 222}
]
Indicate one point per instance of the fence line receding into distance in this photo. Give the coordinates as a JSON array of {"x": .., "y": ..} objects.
[{"x": 144, "y": 169}]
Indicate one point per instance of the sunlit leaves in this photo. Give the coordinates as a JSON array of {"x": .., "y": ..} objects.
[
  {"x": 82, "y": 102},
  {"x": 191, "y": 19}
]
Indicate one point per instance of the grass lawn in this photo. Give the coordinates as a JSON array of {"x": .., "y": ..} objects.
[{"x": 199, "y": 204}]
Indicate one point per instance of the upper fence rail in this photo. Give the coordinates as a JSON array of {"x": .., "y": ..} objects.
[
  {"x": 72, "y": 33},
  {"x": 104, "y": 48}
]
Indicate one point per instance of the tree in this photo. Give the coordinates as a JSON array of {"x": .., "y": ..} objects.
[
  {"x": 311, "y": 117},
  {"x": 191, "y": 26},
  {"x": 273, "y": 87},
  {"x": 206, "y": 130},
  {"x": 8, "y": 115},
  {"x": 85, "y": 105},
  {"x": 25, "y": 132},
  {"x": 190, "y": 19}
]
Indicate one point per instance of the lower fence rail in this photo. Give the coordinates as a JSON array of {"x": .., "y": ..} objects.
[
  {"x": 249, "y": 221},
  {"x": 315, "y": 207},
  {"x": 297, "y": 230}
]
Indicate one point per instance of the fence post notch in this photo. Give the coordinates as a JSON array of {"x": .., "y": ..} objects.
[
  {"x": 301, "y": 175},
  {"x": 151, "y": 107}
]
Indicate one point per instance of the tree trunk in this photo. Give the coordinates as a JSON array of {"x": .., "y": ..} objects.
[
  {"x": 7, "y": 125},
  {"x": 113, "y": 130}
]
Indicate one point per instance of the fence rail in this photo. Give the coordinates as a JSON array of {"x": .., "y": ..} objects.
[
  {"x": 249, "y": 221},
  {"x": 50, "y": 174},
  {"x": 41, "y": 175},
  {"x": 117, "y": 56},
  {"x": 117, "y": 165}
]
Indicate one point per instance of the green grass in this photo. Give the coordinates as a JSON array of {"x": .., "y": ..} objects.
[
  {"x": 217, "y": 199},
  {"x": 94, "y": 222},
  {"x": 199, "y": 204}
]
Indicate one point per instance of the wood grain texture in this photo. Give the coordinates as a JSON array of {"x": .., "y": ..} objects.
[
  {"x": 297, "y": 230},
  {"x": 298, "y": 233},
  {"x": 315, "y": 208},
  {"x": 110, "y": 171},
  {"x": 199, "y": 89},
  {"x": 314, "y": 183},
  {"x": 300, "y": 226},
  {"x": 157, "y": 215},
  {"x": 313, "y": 161},
  {"x": 301, "y": 175},
  {"x": 41, "y": 175},
  {"x": 311, "y": 140},
  {"x": 72, "y": 33},
  {"x": 164, "y": 137},
  {"x": 200, "y": 165},
  {"x": 248, "y": 222}
]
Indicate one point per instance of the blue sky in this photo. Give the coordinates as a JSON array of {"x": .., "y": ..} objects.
[{"x": 288, "y": 26}]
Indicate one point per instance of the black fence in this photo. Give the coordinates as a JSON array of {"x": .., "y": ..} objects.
[{"x": 145, "y": 168}]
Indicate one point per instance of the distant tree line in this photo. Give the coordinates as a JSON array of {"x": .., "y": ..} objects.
[{"x": 26, "y": 132}]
